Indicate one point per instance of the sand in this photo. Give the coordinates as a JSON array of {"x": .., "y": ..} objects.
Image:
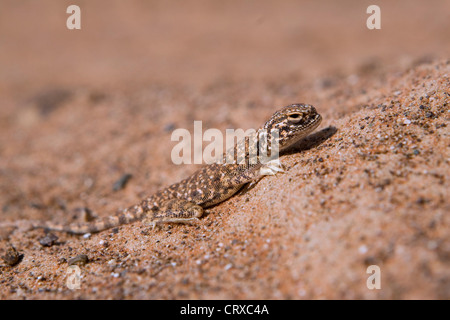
[{"x": 80, "y": 110}]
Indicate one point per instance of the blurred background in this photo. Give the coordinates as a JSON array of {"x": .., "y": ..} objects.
[
  {"x": 195, "y": 42},
  {"x": 81, "y": 109}
]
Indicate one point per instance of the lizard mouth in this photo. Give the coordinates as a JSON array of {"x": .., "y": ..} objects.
[{"x": 313, "y": 123}]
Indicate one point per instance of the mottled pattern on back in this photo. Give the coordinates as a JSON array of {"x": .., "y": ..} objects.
[{"x": 184, "y": 201}]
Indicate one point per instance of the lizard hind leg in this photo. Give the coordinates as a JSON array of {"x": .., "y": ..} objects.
[{"x": 174, "y": 211}]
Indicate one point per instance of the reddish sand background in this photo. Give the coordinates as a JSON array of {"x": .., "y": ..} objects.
[{"x": 79, "y": 109}]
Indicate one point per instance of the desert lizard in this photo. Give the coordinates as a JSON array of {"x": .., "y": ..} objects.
[{"x": 185, "y": 201}]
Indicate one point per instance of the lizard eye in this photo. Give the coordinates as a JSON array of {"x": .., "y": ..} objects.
[{"x": 294, "y": 117}]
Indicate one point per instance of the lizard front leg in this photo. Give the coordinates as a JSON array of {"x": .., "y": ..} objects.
[
  {"x": 252, "y": 174},
  {"x": 271, "y": 168}
]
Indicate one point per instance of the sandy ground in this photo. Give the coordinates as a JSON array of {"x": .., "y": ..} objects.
[{"x": 81, "y": 109}]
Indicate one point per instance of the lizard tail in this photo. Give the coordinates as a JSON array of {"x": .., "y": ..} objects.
[{"x": 129, "y": 215}]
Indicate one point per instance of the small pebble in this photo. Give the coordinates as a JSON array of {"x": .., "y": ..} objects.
[
  {"x": 122, "y": 182},
  {"x": 48, "y": 240},
  {"x": 169, "y": 127},
  {"x": 362, "y": 249},
  {"x": 80, "y": 260},
  {"x": 12, "y": 256}
]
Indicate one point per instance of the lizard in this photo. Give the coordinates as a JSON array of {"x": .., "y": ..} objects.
[{"x": 185, "y": 201}]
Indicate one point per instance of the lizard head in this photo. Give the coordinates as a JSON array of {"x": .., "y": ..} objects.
[{"x": 293, "y": 123}]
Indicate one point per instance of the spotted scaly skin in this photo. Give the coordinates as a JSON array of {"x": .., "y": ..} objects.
[{"x": 185, "y": 201}]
